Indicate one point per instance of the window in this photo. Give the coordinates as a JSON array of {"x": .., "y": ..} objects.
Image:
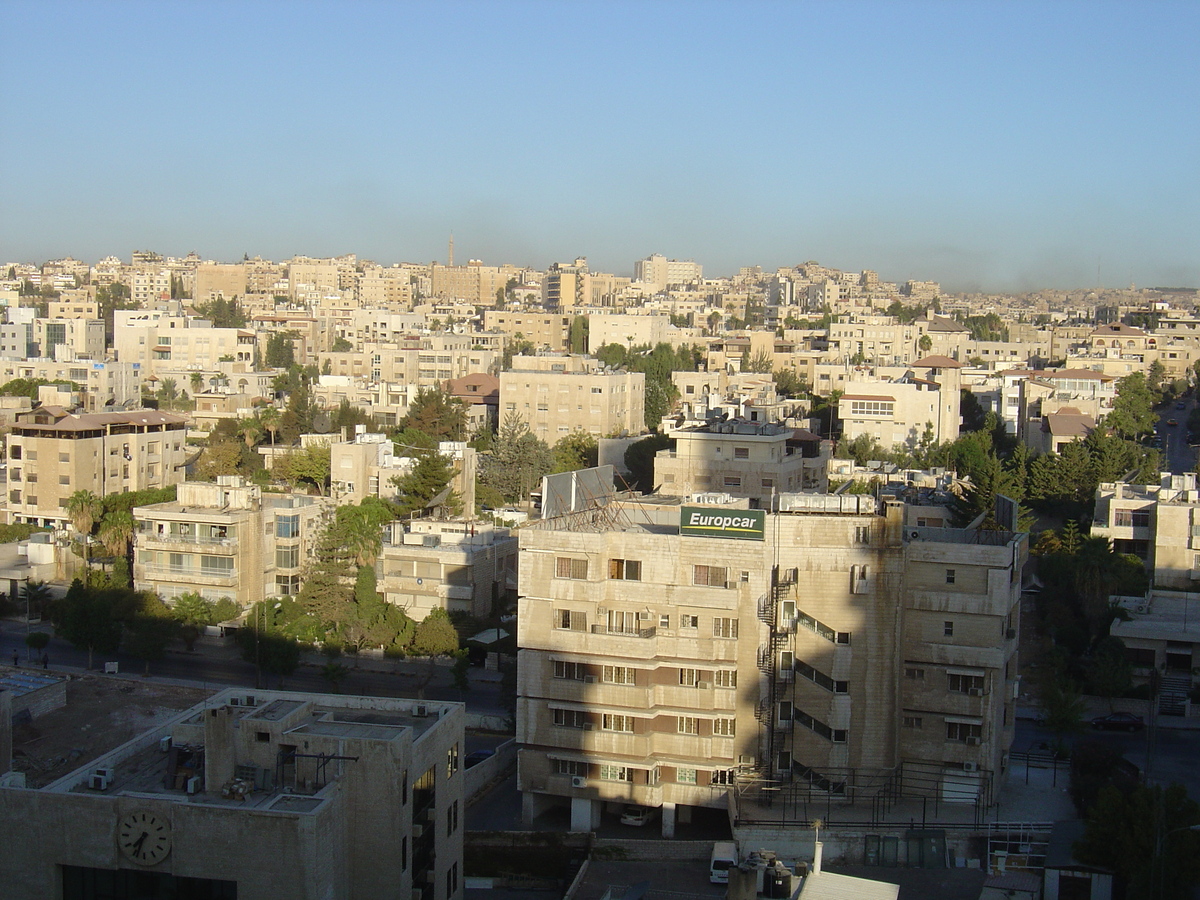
[
  {"x": 948, "y": 629},
  {"x": 614, "y": 722},
  {"x": 912, "y": 722},
  {"x": 963, "y": 731},
  {"x": 63, "y": 479},
  {"x": 664, "y": 621},
  {"x": 452, "y": 760},
  {"x": 15, "y": 451},
  {"x": 625, "y": 569},
  {"x": 452, "y": 875},
  {"x": 724, "y": 727},
  {"x": 741, "y": 452},
  {"x": 710, "y": 576},
  {"x": 784, "y": 711},
  {"x": 64, "y": 457},
  {"x": 725, "y": 628},
  {"x": 287, "y": 526},
  {"x": 687, "y": 725},
  {"x": 733, "y": 481},
  {"x": 862, "y": 534},
  {"x": 689, "y": 677},
  {"x": 287, "y": 557},
  {"x": 570, "y": 718},
  {"x": 616, "y": 773},
  {"x": 725, "y": 678},
  {"x": 572, "y": 620},
  {"x": 566, "y": 567},
  {"x": 451, "y": 818},
  {"x": 950, "y": 576},
  {"x": 571, "y": 767},
  {"x": 689, "y": 621},
  {"x": 722, "y": 776},
  {"x": 619, "y": 675},
  {"x": 623, "y": 622},
  {"x": 287, "y": 585},
  {"x": 685, "y": 776},
  {"x": 964, "y": 684},
  {"x": 216, "y": 565},
  {"x": 914, "y": 674},
  {"x": 1131, "y": 518},
  {"x": 871, "y": 408},
  {"x": 768, "y": 483},
  {"x": 571, "y": 670}
]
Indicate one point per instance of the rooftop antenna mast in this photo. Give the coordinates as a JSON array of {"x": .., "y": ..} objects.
[{"x": 450, "y": 263}]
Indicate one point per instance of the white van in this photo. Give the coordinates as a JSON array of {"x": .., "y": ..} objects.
[{"x": 724, "y": 857}]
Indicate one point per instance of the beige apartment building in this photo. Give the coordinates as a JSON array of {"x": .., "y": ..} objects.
[
  {"x": 831, "y": 652},
  {"x": 157, "y": 342},
  {"x": 543, "y": 329},
  {"x": 69, "y": 338},
  {"x": 903, "y": 410},
  {"x": 225, "y": 540},
  {"x": 73, "y": 305},
  {"x": 426, "y": 361},
  {"x": 559, "y": 395},
  {"x": 105, "y": 384},
  {"x": 53, "y": 453},
  {"x": 1158, "y": 522},
  {"x": 740, "y": 458},
  {"x": 254, "y": 795},
  {"x": 455, "y": 565}
]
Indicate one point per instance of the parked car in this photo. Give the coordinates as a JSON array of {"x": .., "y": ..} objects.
[
  {"x": 636, "y": 815},
  {"x": 1172, "y": 422},
  {"x": 478, "y": 756},
  {"x": 1119, "y": 721}
]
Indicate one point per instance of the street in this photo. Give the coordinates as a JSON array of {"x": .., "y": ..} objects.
[{"x": 1177, "y": 455}]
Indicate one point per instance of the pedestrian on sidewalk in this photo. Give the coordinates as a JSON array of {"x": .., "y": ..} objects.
[
  {"x": 16, "y": 660},
  {"x": 45, "y": 660}
]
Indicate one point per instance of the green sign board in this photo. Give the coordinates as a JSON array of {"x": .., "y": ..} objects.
[{"x": 713, "y": 521}]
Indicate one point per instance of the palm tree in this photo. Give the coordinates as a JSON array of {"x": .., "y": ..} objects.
[
  {"x": 84, "y": 507},
  {"x": 197, "y": 380},
  {"x": 116, "y": 531},
  {"x": 269, "y": 417},
  {"x": 250, "y": 431}
]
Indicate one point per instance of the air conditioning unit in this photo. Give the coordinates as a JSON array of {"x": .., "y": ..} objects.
[
  {"x": 975, "y": 692},
  {"x": 970, "y": 767},
  {"x": 420, "y": 710},
  {"x": 578, "y": 781},
  {"x": 417, "y": 831},
  {"x": 1143, "y": 608},
  {"x": 164, "y": 744},
  {"x": 589, "y": 726},
  {"x": 730, "y": 585},
  {"x": 913, "y": 535},
  {"x": 99, "y": 782},
  {"x": 703, "y": 685},
  {"x": 193, "y": 784},
  {"x": 972, "y": 742},
  {"x": 589, "y": 679}
]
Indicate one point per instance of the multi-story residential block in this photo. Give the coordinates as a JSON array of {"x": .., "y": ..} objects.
[
  {"x": 69, "y": 338},
  {"x": 73, "y": 305},
  {"x": 741, "y": 458},
  {"x": 1158, "y": 522},
  {"x": 833, "y": 651},
  {"x": 544, "y": 330},
  {"x": 225, "y": 540},
  {"x": 904, "y": 410},
  {"x": 1026, "y": 395},
  {"x": 164, "y": 341},
  {"x": 53, "y": 453},
  {"x": 426, "y": 360},
  {"x": 454, "y": 565},
  {"x": 353, "y": 796},
  {"x": 481, "y": 392},
  {"x": 660, "y": 273},
  {"x": 213, "y": 280},
  {"x": 105, "y": 384},
  {"x": 558, "y": 395}
]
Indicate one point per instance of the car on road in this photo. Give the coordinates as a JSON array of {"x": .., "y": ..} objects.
[
  {"x": 1181, "y": 405},
  {"x": 636, "y": 815},
  {"x": 1172, "y": 422},
  {"x": 1119, "y": 721}
]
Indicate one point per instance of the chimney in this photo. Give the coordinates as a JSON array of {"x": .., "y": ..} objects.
[{"x": 817, "y": 848}]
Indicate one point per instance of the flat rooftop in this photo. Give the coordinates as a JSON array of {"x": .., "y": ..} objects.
[{"x": 26, "y": 681}]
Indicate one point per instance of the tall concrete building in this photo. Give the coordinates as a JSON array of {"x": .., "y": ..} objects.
[
  {"x": 558, "y": 395},
  {"x": 836, "y": 649},
  {"x": 251, "y": 796},
  {"x": 664, "y": 273},
  {"x": 53, "y": 453}
]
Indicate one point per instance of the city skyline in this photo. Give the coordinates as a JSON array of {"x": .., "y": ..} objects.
[{"x": 989, "y": 147}]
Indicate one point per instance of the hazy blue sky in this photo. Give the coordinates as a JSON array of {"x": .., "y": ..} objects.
[{"x": 1001, "y": 145}]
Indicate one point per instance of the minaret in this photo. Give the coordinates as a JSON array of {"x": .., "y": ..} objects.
[{"x": 451, "y": 262}]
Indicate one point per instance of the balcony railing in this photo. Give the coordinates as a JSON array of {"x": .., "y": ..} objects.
[
  {"x": 186, "y": 572},
  {"x": 188, "y": 539}
]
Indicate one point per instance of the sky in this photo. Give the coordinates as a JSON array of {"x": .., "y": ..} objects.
[{"x": 996, "y": 146}]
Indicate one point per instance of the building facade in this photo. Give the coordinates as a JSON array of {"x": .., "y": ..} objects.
[{"x": 677, "y": 651}]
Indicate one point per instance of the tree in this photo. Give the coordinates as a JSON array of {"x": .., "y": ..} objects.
[
  {"x": 310, "y": 465},
  {"x": 518, "y": 460},
  {"x": 575, "y": 451},
  {"x": 761, "y": 362},
  {"x": 197, "y": 381},
  {"x": 1109, "y": 672},
  {"x": 1062, "y": 707},
  {"x": 639, "y": 461},
  {"x": 192, "y": 609},
  {"x": 579, "y": 334},
  {"x": 789, "y": 384},
  {"x": 925, "y": 343},
  {"x": 89, "y": 619},
  {"x": 1133, "y": 408},
  {"x": 149, "y": 630},
  {"x": 36, "y": 596},
  {"x": 341, "y": 345},
  {"x": 37, "y": 641},
  {"x": 435, "y": 635},
  {"x": 335, "y": 673},
  {"x": 281, "y": 350},
  {"x": 116, "y": 532},
  {"x": 83, "y": 507},
  {"x": 438, "y": 414},
  {"x": 270, "y": 419},
  {"x": 428, "y": 477}
]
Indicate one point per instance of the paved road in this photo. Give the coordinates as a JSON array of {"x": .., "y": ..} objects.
[
  {"x": 223, "y": 667},
  {"x": 1178, "y": 456}
]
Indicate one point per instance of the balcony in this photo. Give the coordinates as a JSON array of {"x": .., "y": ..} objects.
[
  {"x": 179, "y": 573},
  {"x": 147, "y": 539}
]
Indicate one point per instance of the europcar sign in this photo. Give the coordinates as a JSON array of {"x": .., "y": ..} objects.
[{"x": 711, "y": 521}]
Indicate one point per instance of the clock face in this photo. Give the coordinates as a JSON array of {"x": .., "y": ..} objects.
[{"x": 144, "y": 838}]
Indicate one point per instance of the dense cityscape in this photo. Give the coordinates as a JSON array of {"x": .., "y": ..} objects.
[{"x": 774, "y": 546}]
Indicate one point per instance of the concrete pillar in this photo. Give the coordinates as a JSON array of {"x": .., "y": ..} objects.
[
  {"x": 683, "y": 814},
  {"x": 668, "y": 820},
  {"x": 585, "y": 814},
  {"x": 533, "y": 805}
]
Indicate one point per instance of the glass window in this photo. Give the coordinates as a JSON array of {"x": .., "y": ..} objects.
[
  {"x": 625, "y": 569},
  {"x": 566, "y": 567},
  {"x": 725, "y": 628},
  {"x": 724, "y": 727},
  {"x": 287, "y": 557},
  {"x": 570, "y": 670},
  {"x": 687, "y": 725},
  {"x": 614, "y": 722},
  {"x": 712, "y": 576},
  {"x": 287, "y": 526},
  {"x": 685, "y": 776}
]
